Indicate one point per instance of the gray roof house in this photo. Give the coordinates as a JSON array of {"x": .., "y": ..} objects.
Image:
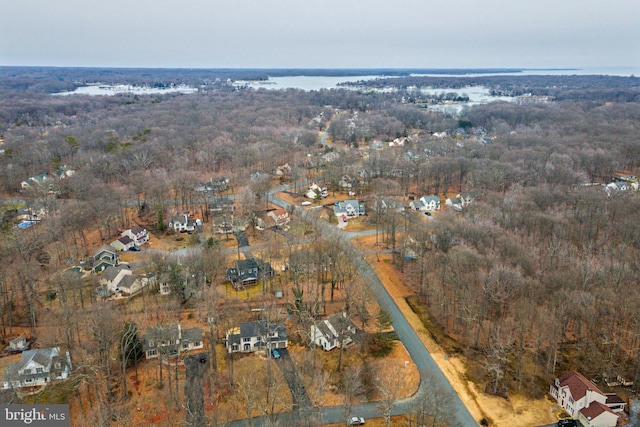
[
  {"x": 254, "y": 336},
  {"x": 18, "y": 344},
  {"x": 171, "y": 340},
  {"x": 37, "y": 368},
  {"x": 333, "y": 332},
  {"x": 350, "y": 208},
  {"x": 247, "y": 272},
  {"x": 104, "y": 257},
  {"x": 112, "y": 276}
]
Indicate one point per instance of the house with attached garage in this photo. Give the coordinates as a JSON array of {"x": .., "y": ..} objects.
[
  {"x": 112, "y": 276},
  {"x": 350, "y": 208},
  {"x": 37, "y": 368},
  {"x": 183, "y": 224},
  {"x": 584, "y": 401},
  {"x": 254, "y": 336},
  {"x": 138, "y": 234},
  {"x": 123, "y": 243},
  {"x": 274, "y": 218},
  {"x": 425, "y": 204},
  {"x": 170, "y": 341},
  {"x": 333, "y": 332}
]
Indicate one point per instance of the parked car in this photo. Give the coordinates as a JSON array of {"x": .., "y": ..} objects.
[
  {"x": 356, "y": 421},
  {"x": 134, "y": 249},
  {"x": 275, "y": 353},
  {"x": 568, "y": 423}
]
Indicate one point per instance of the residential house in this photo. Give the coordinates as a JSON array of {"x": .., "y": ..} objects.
[
  {"x": 617, "y": 186},
  {"x": 350, "y": 208},
  {"x": 426, "y": 204},
  {"x": 138, "y": 234},
  {"x": 584, "y": 401},
  {"x": 112, "y": 276},
  {"x": 37, "y": 368},
  {"x": 283, "y": 171},
  {"x": 203, "y": 187},
  {"x": 123, "y": 243},
  {"x": 399, "y": 142},
  {"x": 333, "y": 332},
  {"x": 31, "y": 214},
  {"x": 377, "y": 145},
  {"x": 247, "y": 272},
  {"x": 183, "y": 224},
  {"x": 36, "y": 181},
  {"x": 346, "y": 182},
  {"x": 254, "y": 336},
  {"x": 454, "y": 203},
  {"x": 221, "y": 204},
  {"x": 18, "y": 344},
  {"x": 63, "y": 172},
  {"x": 171, "y": 340},
  {"x": 315, "y": 192},
  {"x": 131, "y": 285},
  {"x": 466, "y": 199},
  {"x": 218, "y": 185},
  {"x": 274, "y": 218},
  {"x": 104, "y": 257}
]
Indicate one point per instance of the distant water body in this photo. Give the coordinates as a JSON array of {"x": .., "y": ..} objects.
[
  {"x": 323, "y": 82},
  {"x": 309, "y": 83}
]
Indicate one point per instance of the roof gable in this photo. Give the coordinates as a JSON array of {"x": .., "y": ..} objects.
[{"x": 577, "y": 384}]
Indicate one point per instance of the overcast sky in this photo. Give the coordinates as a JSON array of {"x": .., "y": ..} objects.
[{"x": 321, "y": 34}]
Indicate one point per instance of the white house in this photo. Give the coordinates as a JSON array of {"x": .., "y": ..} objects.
[
  {"x": 333, "y": 332},
  {"x": 426, "y": 203},
  {"x": 254, "y": 336},
  {"x": 138, "y": 234},
  {"x": 584, "y": 401},
  {"x": 315, "y": 190},
  {"x": 183, "y": 224},
  {"x": 37, "y": 368}
]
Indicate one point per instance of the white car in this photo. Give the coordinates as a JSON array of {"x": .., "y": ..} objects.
[
  {"x": 306, "y": 204},
  {"x": 356, "y": 421}
]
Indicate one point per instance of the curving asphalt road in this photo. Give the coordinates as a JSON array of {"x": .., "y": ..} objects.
[{"x": 407, "y": 335}]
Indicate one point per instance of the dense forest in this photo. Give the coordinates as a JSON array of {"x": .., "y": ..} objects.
[{"x": 540, "y": 274}]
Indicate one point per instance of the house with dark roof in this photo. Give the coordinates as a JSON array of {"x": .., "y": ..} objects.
[
  {"x": 248, "y": 272},
  {"x": 254, "y": 336},
  {"x": 585, "y": 402},
  {"x": 333, "y": 332},
  {"x": 104, "y": 257},
  {"x": 37, "y": 368},
  {"x": 138, "y": 234},
  {"x": 171, "y": 340},
  {"x": 123, "y": 243}
]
